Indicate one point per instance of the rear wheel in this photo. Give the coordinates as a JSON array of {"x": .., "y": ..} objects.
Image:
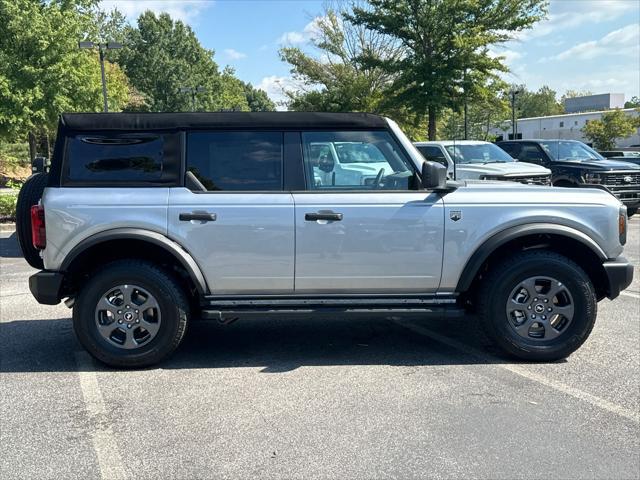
[
  {"x": 131, "y": 314},
  {"x": 538, "y": 306},
  {"x": 30, "y": 194}
]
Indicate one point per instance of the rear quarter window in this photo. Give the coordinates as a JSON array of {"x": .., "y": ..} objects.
[{"x": 128, "y": 159}]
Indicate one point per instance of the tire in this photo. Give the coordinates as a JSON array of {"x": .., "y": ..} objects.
[
  {"x": 136, "y": 280},
  {"x": 30, "y": 194},
  {"x": 573, "y": 308}
]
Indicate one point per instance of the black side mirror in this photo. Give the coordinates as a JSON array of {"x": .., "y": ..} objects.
[{"x": 434, "y": 175}]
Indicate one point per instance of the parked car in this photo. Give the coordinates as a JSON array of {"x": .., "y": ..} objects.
[
  {"x": 574, "y": 164},
  {"x": 630, "y": 155},
  {"x": 147, "y": 222},
  {"x": 473, "y": 160}
]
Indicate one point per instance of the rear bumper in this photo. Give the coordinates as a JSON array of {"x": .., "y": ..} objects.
[
  {"x": 619, "y": 275},
  {"x": 46, "y": 287}
]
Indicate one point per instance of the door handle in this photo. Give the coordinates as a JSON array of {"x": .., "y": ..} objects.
[
  {"x": 201, "y": 216},
  {"x": 312, "y": 217}
]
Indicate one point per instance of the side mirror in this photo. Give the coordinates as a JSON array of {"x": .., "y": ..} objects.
[{"x": 434, "y": 175}]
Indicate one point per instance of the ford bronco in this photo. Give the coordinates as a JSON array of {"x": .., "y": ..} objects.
[{"x": 148, "y": 221}]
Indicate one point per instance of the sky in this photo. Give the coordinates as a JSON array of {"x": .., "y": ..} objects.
[{"x": 583, "y": 45}]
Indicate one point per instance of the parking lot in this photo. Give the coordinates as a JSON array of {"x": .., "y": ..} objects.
[{"x": 316, "y": 399}]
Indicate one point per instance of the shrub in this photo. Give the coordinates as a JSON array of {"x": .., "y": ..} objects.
[{"x": 8, "y": 205}]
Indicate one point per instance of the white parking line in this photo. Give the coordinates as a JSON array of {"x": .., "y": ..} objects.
[
  {"x": 104, "y": 442},
  {"x": 524, "y": 372},
  {"x": 629, "y": 294}
]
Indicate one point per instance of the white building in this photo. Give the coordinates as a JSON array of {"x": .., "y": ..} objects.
[{"x": 567, "y": 126}]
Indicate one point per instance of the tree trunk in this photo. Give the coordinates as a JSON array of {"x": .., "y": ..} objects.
[
  {"x": 432, "y": 123},
  {"x": 43, "y": 145},
  {"x": 32, "y": 147}
]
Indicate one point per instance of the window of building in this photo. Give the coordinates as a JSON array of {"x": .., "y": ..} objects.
[{"x": 561, "y": 124}]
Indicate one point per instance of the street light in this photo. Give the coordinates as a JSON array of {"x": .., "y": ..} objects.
[
  {"x": 193, "y": 91},
  {"x": 101, "y": 48},
  {"x": 514, "y": 125}
]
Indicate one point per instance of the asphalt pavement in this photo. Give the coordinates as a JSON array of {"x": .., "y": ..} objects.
[{"x": 316, "y": 399}]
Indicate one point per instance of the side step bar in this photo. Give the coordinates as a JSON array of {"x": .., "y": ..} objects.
[{"x": 227, "y": 309}]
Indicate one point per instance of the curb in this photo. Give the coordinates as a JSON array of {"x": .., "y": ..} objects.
[{"x": 7, "y": 227}]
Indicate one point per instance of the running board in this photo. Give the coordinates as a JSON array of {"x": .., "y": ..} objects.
[{"x": 229, "y": 309}]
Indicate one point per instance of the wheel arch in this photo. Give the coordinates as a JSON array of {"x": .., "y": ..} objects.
[
  {"x": 559, "y": 238},
  {"x": 137, "y": 243}
]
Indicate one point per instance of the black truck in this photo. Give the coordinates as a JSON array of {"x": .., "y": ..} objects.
[{"x": 574, "y": 164}]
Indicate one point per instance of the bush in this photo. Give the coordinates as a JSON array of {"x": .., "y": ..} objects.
[{"x": 8, "y": 202}]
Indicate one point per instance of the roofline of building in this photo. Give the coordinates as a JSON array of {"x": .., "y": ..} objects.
[{"x": 577, "y": 113}]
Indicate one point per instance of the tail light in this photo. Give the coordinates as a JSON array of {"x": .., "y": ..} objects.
[{"x": 38, "y": 231}]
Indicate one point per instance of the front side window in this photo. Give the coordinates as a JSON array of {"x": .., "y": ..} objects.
[
  {"x": 117, "y": 158},
  {"x": 355, "y": 160},
  {"x": 479, "y": 153},
  {"x": 236, "y": 161},
  {"x": 433, "y": 154}
]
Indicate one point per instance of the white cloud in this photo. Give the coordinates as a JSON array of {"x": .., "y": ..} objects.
[
  {"x": 577, "y": 14},
  {"x": 624, "y": 41},
  {"x": 509, "y": 55},
  {"x": 234, "y": 54},
  {"x": 275, "y": 87},
  {"x": 185, "y": 10},
  {"x": 310, "y": 31}
]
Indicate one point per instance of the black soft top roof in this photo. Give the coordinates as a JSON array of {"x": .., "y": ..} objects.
[{"x": 215, "y": 120}]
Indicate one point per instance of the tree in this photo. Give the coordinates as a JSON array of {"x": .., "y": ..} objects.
[
  {"x": 257, "y": 99},
  {"x": 633, "y": 103},
  {"x": 541, "y": 103},
  {"x": 613, "y": 125},
  {"x": 42, "y": 71},
  {"x": 161, "y": 56},
  {"x": 445, "y": 46}
]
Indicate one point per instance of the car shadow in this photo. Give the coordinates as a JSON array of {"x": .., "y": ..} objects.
[
  {"x": 274, "y": 346},
  {"x": 9, "y": 247}
]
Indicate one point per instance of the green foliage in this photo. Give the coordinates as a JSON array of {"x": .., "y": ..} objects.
[
  {"x": 14, "y": 154},
  {"x": 633, "y": 103},
  {"x": 339, "y": 79},
  {"x": 445, "y": 47},
  {"x": 8, "y": 202},
  {"x": 613, "y": 125},
  {"x": 541, "y": 103},
  {"x": 42, "y": 71},
  {"x": 161, "y": 56},
  {"x": 257, "y": 99}
]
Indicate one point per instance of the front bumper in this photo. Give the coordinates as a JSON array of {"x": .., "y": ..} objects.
[
  {"x": 46, "y": 287},
  {"x": 619, "y": 275}
]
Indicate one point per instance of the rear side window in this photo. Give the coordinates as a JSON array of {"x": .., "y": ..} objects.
[
  {"x": 236, "y": 161},
  {"x": 121, "y": 159}
]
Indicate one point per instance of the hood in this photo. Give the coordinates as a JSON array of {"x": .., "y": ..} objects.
[
  {"x": 603, "y": 165},
  {"x": 510, "y": 169}
]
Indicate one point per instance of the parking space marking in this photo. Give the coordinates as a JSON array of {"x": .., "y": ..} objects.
[
  {"x": 524, "y": 372},
  {"x": 104, "y": 442},
  {"x": 629, "y": 294}
]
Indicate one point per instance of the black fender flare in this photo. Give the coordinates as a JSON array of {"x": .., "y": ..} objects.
[
  {"x": 481, "y": 254},
  {"x": 173, "y": 248}
]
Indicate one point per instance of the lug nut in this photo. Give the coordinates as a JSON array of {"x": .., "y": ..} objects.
[
  {"x": 129, "y": 326},
  {"x": 535, "y": 300},
  {"x": 120, "y": 321},
  {"x": 137, "y": 321},
  {"x": 120, "y": 311},
  {"x": 136, "y": 311},
  {"x": 529, "y": 307},
  {"x": 549, "y": 309},
  {"x": 128, "y": 306},
  {"x": 544, "y": 317},
  {"x": 533, "y": 316},
  {"x": 546, "y": 300}
]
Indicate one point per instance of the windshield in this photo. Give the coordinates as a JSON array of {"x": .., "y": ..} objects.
[
  {"x": 357, "y": 152},
  {"x": 568, "y": 150},
  {"x": 480, "y": 153}
]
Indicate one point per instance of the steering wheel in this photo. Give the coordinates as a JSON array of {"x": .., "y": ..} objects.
[{"x": 378, "y": 179}]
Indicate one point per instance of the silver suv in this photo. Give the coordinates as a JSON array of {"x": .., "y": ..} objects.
[
  {"x": 149, "y": 221},
  {"x": 478, "y": 160}
]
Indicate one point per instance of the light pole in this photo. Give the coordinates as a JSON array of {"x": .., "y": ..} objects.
[
  {"x": 464, "y": 86},
  {"x": 101, "y": 48},
  {"x": 514, "y": 125},
  {"x": 193, "y": 91}
]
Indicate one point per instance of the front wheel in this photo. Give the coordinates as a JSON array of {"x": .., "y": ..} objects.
[
  {"x": 131, "y": 314},
  {"x": 537, "y": 306}
]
